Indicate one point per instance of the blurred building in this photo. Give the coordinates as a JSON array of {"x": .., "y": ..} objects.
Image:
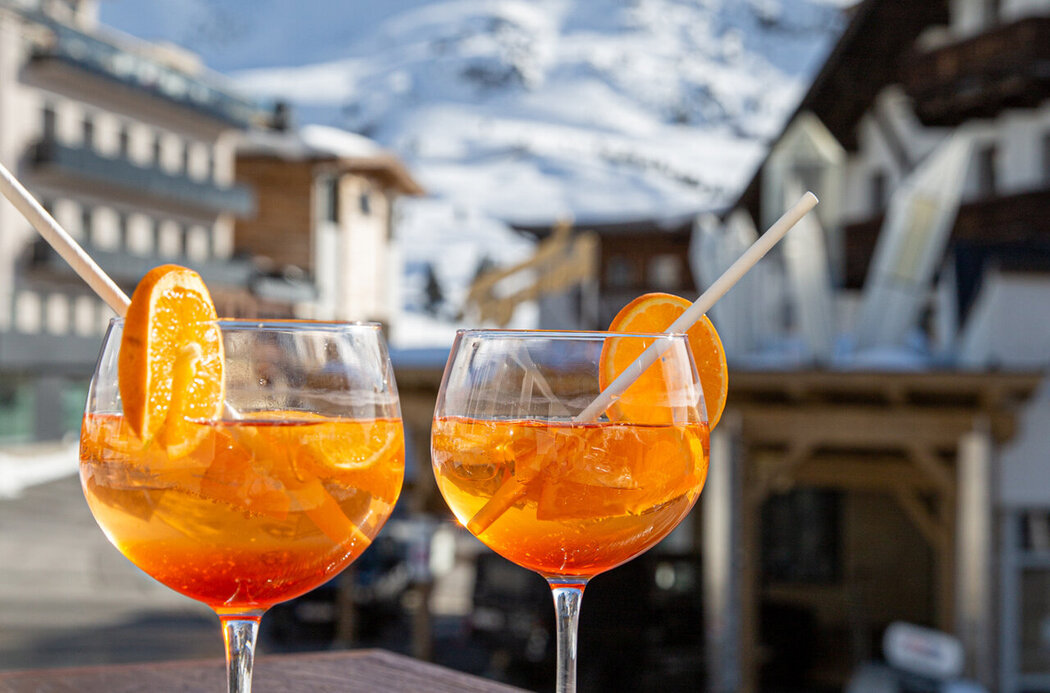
[
  {"x": 910, "y": 483},
  {"x": 581, "y": 274},
  {"x": 560, "y": 277},
  {"x": 131, "y": 147},
  {"x": 322, "y": 228},
  {"x": 621, "y": 261}
]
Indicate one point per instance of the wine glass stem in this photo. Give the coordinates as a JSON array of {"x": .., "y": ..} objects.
[
  {"x": 568, "y": 592},
  {"x": 238, "y": 633}
]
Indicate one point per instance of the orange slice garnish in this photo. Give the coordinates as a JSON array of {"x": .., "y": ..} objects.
[
  {"x": 360, "y": 454},
  {"x": 171, "y": 360},
  {"x": 356, "y": 445},
  {"x": 654, "y": 313}
]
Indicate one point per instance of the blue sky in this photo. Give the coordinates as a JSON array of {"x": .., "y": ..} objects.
[{"x": 238, "y": 34}]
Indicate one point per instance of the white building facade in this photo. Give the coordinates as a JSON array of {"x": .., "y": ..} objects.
[{"x": 131, "y": 148}]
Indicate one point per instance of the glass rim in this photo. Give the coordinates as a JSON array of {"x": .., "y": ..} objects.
[
  {"x": 582, "y": 335},
  {"x": 284, "y": 324}
]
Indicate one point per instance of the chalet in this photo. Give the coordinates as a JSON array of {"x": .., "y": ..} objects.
[
  {"x": 915, "y": 492},
  {"x": 131, "y": 147},
  {"x": 323, "y": 222}
]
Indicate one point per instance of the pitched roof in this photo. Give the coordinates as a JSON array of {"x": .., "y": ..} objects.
[
  {"x": 339, "y": 150},
  {"x": 866, "y": 59}
]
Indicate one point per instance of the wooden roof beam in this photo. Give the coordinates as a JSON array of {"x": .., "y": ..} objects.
[
  {"x": 886, "y": 474},
  {"x": 862, "y": 427}
]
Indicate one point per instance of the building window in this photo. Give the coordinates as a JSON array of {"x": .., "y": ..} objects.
[
  {"x": 122, "y": 231},
  {"x": 621, "y": 272},
  {"x": 125, "y": 142},
  {"x": 84, "y": 318},
  {"x": 87, "y": 224},
  {"x": 330, "y": 194},
  {"x": 141, "y": 238},
  {"x": 1046, "y": 159},
  {"x": 986, "y": 183},
  {"x": 103, "y": 313},
  {"x": 178, "y": 241},
  {"x": 88, "y": 132},
  {"x": 221, "y": 241},
  {"x": 49, "y": 122},
  {"x": 65, "y": 213},
  {"x": 58, "y": 317},
  {"x": 158, "y": 150},
  {"x": 28, "y": 309},
  {"x": 879, "y": 191},
  {"x": 991, "y": 12},
  {"x": 664, "y": 272},
  {"x": 198, "y": 242},
  {"x": 801, "y": 537},
  {"x": 365, "y": 203},
  {"x": 172, "y": 240}
]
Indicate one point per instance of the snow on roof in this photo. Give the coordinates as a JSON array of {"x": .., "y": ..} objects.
[
  {"x": 286, "y": 145},
  {"x": 341, "y": 143},
  {"x": 353, "y": 152},
  {"x": 312, "y": 141}
]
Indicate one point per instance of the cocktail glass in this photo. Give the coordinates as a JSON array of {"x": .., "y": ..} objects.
[
  {"x": 529, "y": 472},
  {"x": 271, "y": 499}
]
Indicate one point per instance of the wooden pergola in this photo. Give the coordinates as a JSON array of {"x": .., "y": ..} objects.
[{"x": 924, "y": 439}]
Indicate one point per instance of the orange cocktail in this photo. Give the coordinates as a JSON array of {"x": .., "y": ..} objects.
[
  {"x": 260, "y": 511},
  {"x": 593, "y": 495},
  {"x": 239, "y": 462},
  {"x": 571, "y": 452}
]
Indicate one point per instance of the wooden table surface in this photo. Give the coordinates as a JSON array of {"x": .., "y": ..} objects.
[{"x": 347, "y": 672}]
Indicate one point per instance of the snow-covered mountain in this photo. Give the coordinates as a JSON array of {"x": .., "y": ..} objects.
[
  {"x": 522, "y": 111},
  {"x": 526, "y": 109}
]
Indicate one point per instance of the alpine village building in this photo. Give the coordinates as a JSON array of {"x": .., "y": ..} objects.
[
  {"x": 324, "y": 220},
  {"x": 907, "y": 482}
]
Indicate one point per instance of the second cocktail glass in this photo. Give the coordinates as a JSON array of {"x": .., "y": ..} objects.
[
  {"x": 524, "y": 467},
  {"x": 273, "y": 498}
]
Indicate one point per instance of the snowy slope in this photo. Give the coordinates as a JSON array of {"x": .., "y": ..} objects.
[{"x": 527, "y": 109}]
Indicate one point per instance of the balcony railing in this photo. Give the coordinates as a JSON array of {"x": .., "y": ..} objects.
[
  {"x": 58, "y": 354},
  {"x": 1006, "y": 67},
  {"x": 50, "y": 155},
  {"x": 126, "y": 269},
  {"x": 1021, "y": 220},
  {"x": 82, "y": 51}
]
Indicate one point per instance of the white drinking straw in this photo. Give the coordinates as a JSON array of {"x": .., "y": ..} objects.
[
  {"x": 700, "y": 306},
  {"x": 63, "y": 243}
]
